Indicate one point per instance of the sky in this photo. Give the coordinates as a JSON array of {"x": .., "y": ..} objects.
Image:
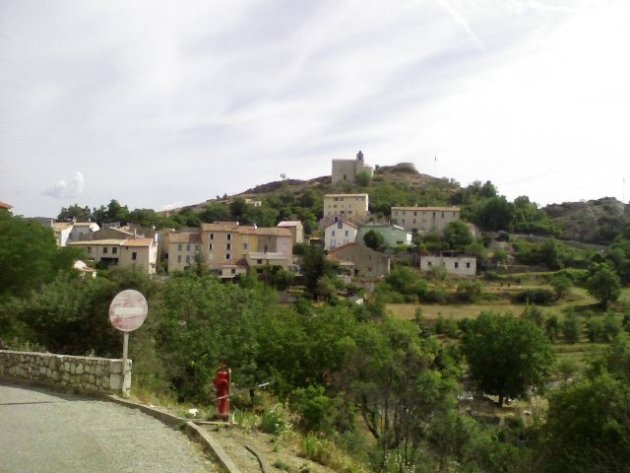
[{"x": 159, "y": 104}]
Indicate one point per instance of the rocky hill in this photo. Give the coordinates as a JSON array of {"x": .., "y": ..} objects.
[{"x": 593, "y": 221}]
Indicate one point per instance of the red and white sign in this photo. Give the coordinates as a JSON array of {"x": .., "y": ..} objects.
[{"x": 128, "y": 310}]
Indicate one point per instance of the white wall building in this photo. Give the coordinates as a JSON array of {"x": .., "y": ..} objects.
[
  {"x": 459, "y": 265},
  {"x": 339, "y": 233}
]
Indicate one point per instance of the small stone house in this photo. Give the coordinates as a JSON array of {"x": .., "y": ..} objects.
[
  {"x": 458, "y": 265},
  {"x": 366, "y": 262}
]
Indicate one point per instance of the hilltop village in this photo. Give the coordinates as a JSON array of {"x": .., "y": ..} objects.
[{"x": 362, "y": 245}]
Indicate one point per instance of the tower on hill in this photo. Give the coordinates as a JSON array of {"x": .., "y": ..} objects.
[{"x": 349, "y": 169}]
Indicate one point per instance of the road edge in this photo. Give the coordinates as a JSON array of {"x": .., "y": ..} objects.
[{"x": 194, "y": 432}]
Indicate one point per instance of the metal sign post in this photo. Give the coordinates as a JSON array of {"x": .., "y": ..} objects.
[{"x": 127, "y": 312}]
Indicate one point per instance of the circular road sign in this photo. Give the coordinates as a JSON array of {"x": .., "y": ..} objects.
[{"x": 128, "y": 310}]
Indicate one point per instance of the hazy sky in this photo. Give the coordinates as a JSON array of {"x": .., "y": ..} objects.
[{"x": 166, "y": 103}]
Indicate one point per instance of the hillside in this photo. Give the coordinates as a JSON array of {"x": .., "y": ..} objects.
[{"x": 594, "y": 221}]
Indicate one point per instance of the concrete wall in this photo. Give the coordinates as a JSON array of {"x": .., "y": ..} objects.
[{"x": 85, "y": 373}]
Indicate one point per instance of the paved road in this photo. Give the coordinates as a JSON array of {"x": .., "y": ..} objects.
[{"x": 42, "y": 431}]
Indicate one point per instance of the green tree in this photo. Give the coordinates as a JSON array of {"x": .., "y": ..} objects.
[
  {"x": 506, "y": 355},
  {"x": 363, "y": 178},
  {"x": 603, "y": 284},
  {"x": 458, "y": 235},
  {"x": 238, "y": 208},
  {"x": 29, "y": 256},
  {"x": 314, "y": 267},
  {"x": 571, "y": 328},
  {"x": 81, "y": 214},
  {"x": 588, "y": 426},
  {"x": 214, "y": 212},
  {"x": 374, "y": 240},
  {"x": 561, "y": 285},
  {"x": 398, "y": 381},
  {"x": 494, "y": 213}
]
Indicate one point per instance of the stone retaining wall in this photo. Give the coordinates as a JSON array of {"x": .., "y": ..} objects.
[{"x": 81, "y": 372}]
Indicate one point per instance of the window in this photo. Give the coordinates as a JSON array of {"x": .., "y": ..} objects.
[
  {"x": 228, "y": 246},
  {"x": 89, "y": 249},
  {"x": 179, "y": 258},
  {"x": 134, "y": 256},
  {"x": 456, "y": 265},
  {"x": 187, "y": 258},
  {"x": 210, "y": 247},
  {"x": 233, "y": 271},
  {"x": 333, "y": 233},
  {"x": 468, "y": 265},
  {"x": 229, "y": 236},
  {"x": 228, "y": 256},
  {"x": 347, "y": 232},
  {"x": 429, "y": 264},
  {"x": 197, "y": 248},
  {"x": 114, "y": 250},
  {"x": 179, "y": 247},
  {"x": 245, "y": 246},
  {"x": 212, "y": 236},
  {"x": 104, "y": 250},
  {"x": 259, "y": 261},
  {"x": 187, "y": 247}
]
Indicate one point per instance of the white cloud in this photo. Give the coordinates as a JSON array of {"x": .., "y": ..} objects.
[{"x": 67, "y": 189}]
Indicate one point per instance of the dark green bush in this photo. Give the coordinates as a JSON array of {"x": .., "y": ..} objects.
[{"x": 535, "y": 296}]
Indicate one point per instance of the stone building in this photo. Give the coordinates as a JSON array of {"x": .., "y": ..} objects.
[
  {"x": 424, "y": 219},
  {"x": 349, "y": 169}
]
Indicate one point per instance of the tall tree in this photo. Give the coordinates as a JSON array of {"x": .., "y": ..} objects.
[
  {"x": 506, "y": 355},
  {"x": 314, "y": 267},
  {"x": 603, "y": 283}
]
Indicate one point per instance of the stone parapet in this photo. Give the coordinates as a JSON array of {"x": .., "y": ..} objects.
[{"x": 104, "y": 375}]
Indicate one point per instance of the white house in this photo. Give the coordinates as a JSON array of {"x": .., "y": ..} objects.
[
  {"x": 459, "y": 265},
  {"x": 339, "y": 233}
]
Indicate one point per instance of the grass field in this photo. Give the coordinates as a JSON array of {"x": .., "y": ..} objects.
[{"x": 579, "y": 299}]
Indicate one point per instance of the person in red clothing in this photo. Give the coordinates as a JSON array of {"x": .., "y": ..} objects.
[{"x": 222, "y": 391}]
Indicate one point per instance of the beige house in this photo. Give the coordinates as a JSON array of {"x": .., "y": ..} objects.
[
  {"x": 364, "y": 261},
  {"x": 349, "y": 169},
  {"x": 296, "y": 228},
  {"x": 140, "y": 252},
  {"x": 339, "y": 233},
  {"x": 349, "y": 207},
  {"x": 458, "y": 265},
  {"x": 424, "y": 219},
  {"x": 184, "y": 249}
]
